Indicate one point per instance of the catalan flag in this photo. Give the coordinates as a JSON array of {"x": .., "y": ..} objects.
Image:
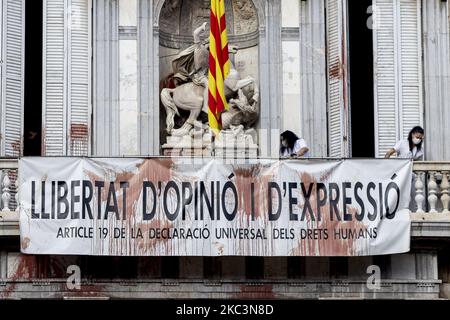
[{"x": 219, "y": 65}]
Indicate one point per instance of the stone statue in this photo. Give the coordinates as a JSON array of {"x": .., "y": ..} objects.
[
  {"x": 190, "y": 68},
  {"x": 241, "y": 112}
]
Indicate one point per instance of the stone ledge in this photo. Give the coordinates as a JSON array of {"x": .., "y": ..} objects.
[
  {"x": 155, "y": 289},
  {"x": 9, "y": 223},
  {"x": 430, "y": 225},
  {"x": 416, "y": 217}
]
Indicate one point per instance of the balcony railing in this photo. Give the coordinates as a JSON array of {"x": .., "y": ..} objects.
[
  {"x": 9, "y": 212},
  {"x": 8, "y": 187},
  {"x": 430, "y": 193},
  {"x": 430, "y": 190}
]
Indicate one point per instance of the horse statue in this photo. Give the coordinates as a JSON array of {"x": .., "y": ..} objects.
[{"x": 192, "y": 64}]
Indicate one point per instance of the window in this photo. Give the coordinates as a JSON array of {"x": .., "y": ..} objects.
[
  {"x": 12, "y": 47},
  {"x": 66, "y": 79},
  {"x": 397, "y": 70},
  {"x": 361, "y": 78},
  {"x": 33, "y": 79}
]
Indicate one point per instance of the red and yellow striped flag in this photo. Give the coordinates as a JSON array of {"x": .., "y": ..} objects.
[{"x": 219, "y": 65}]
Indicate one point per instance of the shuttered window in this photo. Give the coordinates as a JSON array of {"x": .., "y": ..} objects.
[
  {"x": 66, "y": 77},
  {"x": 12, "y": 47},
  {"x": 397, "y": 71},
  {"x": 53, "y": 91},
  {"x": 337, "y": 78},
  {"x": 79, "y": 84}
]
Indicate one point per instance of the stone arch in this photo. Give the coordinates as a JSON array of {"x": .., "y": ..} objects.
[{"x": 257, "y": 3}]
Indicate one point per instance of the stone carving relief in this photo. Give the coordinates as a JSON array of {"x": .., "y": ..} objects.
[
  {"x": 170, "y": 12},
  {"x": 179, "y": 18},
  {"x": 245, "y": 16}
]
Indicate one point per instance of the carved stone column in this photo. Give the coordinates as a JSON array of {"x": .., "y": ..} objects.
[
  {"x": 106, "y": 77},
  {"x": 6, "y": 195},
  {"x": 419, "y": 197},
  {"x": 445, "y": 197},
  {"x": 432, "y": 192},
  {"x": 17, "y": 194}
]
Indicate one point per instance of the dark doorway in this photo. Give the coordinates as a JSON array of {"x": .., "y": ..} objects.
[
  {"x": 254, "y": 268},
  {"x": 33, "y": 79},
  {"x": 170, "y": 267},
  {"x": 361, "y": 78}
]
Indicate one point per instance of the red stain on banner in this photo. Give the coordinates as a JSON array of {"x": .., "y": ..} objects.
[
  {"x": 322, "y": 246},
  {"x": 251, "y": 185}
]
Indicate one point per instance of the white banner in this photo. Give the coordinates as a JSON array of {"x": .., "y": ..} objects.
[{"x": 168, "y": 207}]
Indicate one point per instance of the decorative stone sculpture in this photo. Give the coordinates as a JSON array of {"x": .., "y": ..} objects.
[
  {"x": 445, "y": 197},
  {"x": 190, "y": 69},
  {"x": 6, "y": 196},
  {"x": 419, "y": 197},
  {"x": 432, "y": 192}
]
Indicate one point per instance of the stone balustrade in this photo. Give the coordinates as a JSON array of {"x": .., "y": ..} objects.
[
  {"x": 8, "y": 186},
  {"x": 431, "y": 187}
]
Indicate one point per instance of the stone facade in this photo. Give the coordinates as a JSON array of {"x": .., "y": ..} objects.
[{"x": 266, "y": 40}]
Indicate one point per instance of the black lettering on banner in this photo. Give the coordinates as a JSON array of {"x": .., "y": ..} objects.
[
  {"x": 380, "y": 193},
  {"x": 307, "y": 204},
  {"x": 86, "y": 201},
  {"x": 74, "y": 199},
  {"x": 229, "y": 216},
  {"x": 273, "y": 185},
  {"x": 151, "y": 214},
  {"x": 371, "y": 216},
  {"x": 62, "y": 199},
  {"x": 359, "y": 216},
  {"x": 334, "y": 201},
  {"x": 186, "y": 200},
  {"x": 205, "y": 200},
  {"x": 112, "y": 207},
  {"x": 391, "y": 185},
  {"x": 321, "y": 201},
  {"x": 99, "y": 185},
  {"x": 218, "y": 201},
  {"x": 292, "y": 201},
  {"x": 196, "y": 200},
  {"x": 53, "y": 199},
  {"x": 347, "y": 200},
  {"x": 124, "y": 186},
  {"x": 44, "y": 215},
  {"x": 171, "y": 216}
]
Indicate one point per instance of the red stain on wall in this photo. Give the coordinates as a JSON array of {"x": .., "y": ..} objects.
[
  {"x": 336, "y": 71},
  {"x": 17, "y": 147},
  {"x": 79, "y": 139},
  {"x": 26, "y": 269},
  {"x": 85, "y": 291},
  {"x": 258, "y": 291}
]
